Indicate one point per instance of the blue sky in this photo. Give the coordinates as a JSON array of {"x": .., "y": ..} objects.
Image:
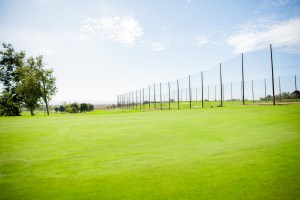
[{"x": 102, "y": 48}]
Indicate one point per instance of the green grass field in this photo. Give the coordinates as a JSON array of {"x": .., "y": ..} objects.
[{"x": 250, "y": 152}]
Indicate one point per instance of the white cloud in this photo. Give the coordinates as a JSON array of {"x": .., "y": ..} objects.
[
  {"x": 157, "y": 46},
  {"x": 201, "y": 40},
  {"x": 42, "y": 51},
  {"x": 124, "y": 30},
  {"x": 258, "y": 35}
]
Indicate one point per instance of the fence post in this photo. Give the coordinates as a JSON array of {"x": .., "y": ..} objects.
[
  {"x": 190, "y": 95},
  {"x": 202, "y": 103},
  {"x": 169, "y": 95},
  {"x": 221, "y": 84},
  {"x": 178, "y": 94},
  {"x": 272, "y": 75}
]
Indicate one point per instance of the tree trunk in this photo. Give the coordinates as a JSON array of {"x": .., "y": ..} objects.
[
  {"x": 31, "y": 112},
  {"x": 45, "y": 99}
]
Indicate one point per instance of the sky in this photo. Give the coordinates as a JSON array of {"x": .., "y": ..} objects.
[{"x": 101, "y": 48}]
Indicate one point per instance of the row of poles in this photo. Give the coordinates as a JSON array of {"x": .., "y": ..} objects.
[{"x": 126, "y": 100}]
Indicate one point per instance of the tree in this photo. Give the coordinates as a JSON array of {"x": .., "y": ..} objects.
[
  {"x": 84, "y": 107},
  {"x": 9, "y": 104},
  {"x": 29, "y": 87},
  {"x": 90, "y": 107},
  {"x": 295, "y": 94},
  {"x": 75, "y": 107},
  {"x": 24, "y": 82},
  {"x": 47, "y": 80},
  {"x": 61, "y": 108},
  {"x": 10, "y": 64}
]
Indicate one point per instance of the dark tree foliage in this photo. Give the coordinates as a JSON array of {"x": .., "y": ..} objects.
[
  {"x": 11, "y": 62},
  {"x": 84, "y": 107},
  {"x": 56, "y": 109},
  {"x": 90, "y": 107},
  {"x": 75, "y": 107},
  {"x": 62, "y": 108},
  {"x": 295, "y": 94},
  {"x": 9, "y": 104}
]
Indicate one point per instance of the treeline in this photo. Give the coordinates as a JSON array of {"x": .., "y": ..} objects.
[
  {"x": 282, "y": 96},
  {"x": 74, "y": 108},
  {"x": 25, "y": 82}
]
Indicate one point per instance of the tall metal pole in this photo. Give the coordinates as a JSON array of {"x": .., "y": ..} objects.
[
  {"x": 190, "y": 95},
  {"x": 221, "y": 85},
  {"x": 243, "y": 81},
  {"x": 178, "y": 94},
  {"x": 196, "y": 94},
  {"x": 202, "y": 101},
  {"x": 273, "y": 88},
  {"x": 169, "y": 96}
]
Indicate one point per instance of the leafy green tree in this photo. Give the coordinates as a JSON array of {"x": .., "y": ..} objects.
[
  {"x": 9, "y": 104},
  {"x": 90, "y": 107},
  {"x": 295, "y": 94},
  {"x": 10, "y": 64},
  {"x": 47, "y": 80},
  {"x": 84, "y": 107},
  {"x": 61, "y": 108},
  {"x": 29, "y": 87},
  {"x": 24, "y": 82},
  {"x": 75, "y": 107}
]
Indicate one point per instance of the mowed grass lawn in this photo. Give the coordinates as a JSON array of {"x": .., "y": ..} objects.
[{"x": 250, "y": 152}]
